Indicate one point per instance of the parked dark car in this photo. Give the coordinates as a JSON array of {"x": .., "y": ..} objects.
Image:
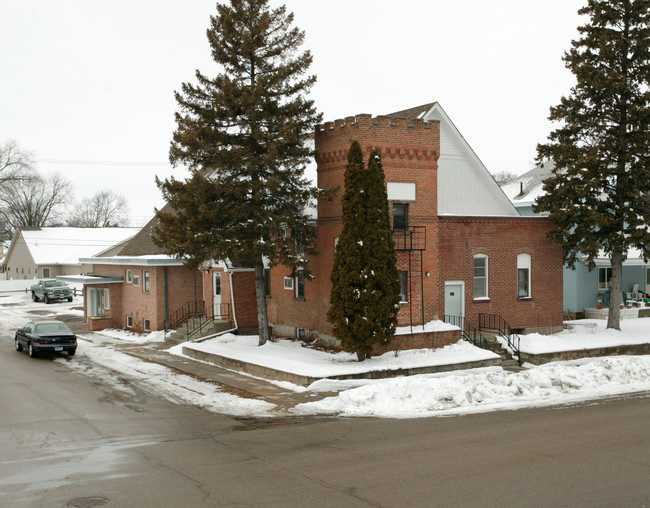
[{"x": 46, "y": 336}]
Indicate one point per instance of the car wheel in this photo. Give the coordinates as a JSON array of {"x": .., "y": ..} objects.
[
  {"x": 70, "y": 299},
  {"x": 30, "y": 350},
  {"x": 34, "y": 297},
  {"x": 47, "y": 299},
  {"x": 19, "y": 346},
  {"x": 71, "y": 352}
]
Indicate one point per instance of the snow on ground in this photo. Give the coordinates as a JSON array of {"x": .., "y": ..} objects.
[
  {"x": 588, "y": 334},
  {"x": 158, "y": 380},
  {"x": 291, "y": 356},
  {"x": 487, "y": 389},
  {"x": 457, "y": 392}
]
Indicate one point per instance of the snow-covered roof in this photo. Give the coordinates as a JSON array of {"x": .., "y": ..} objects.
[
  {"x": 146, "y": 260},
  {"x": 525, "y": 190},
  {"x": 66, "y": 246}
]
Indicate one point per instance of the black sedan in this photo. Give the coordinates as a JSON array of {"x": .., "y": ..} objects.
[{"x": 46, "y": 337}]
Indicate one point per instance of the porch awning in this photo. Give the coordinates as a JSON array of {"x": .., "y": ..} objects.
[{"x": 91, "y": 279}]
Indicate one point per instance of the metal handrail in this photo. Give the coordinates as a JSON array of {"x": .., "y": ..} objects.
[
  {"x": 468, "y": 332},
  {"x": 412, "y": 238},
  {"x": 495, "y": 322}
]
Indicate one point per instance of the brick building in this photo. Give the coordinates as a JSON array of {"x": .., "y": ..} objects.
[{"x": 462, "y": 247}]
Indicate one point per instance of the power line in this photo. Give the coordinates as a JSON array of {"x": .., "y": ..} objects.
[{"x": 103, "y": 163}]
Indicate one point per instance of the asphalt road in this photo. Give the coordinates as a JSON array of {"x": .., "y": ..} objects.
[{"x": 71, "y": 440}]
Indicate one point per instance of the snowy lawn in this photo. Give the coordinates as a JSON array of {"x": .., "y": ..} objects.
[
  {"x": 291, "y": 356},
  {"x": 588, "y": 334}
]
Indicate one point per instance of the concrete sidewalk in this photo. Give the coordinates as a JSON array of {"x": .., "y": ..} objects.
[{"x": 228, "y": 380}]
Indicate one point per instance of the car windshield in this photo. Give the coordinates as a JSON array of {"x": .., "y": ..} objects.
[
  {"x": 52, "y": 283},
  {"x": 52, "y": 328}
]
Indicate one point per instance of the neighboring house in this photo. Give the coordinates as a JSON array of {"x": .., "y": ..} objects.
[
  {"x": 51, "y": 251},
  {"x": 143, "y": 289},
  {"x": 463, "y": 249},
  {"x": 581, "y": 288}
]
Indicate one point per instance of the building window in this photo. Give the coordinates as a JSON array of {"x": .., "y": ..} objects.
[
  {"x": 129, "y": 276},
  {"x": 400, "y": 216},
  {"x": 523, "y": 276},
  {"x": 147, "y": 325},
  {"x": 480, "y": 276},
  {"x": 647, "y": 280},
  {"x": 288, "y": 283},
  {"x": 98, "y": 301},
  {"x": 604, "y": 276},
  {"x": 136, "y": 280},
  {"x": 403, "y": 286},
  {"x": 129, "y": 321},
  {"x": 145, "y": 280},
  {"x": 300, "y": 284}
]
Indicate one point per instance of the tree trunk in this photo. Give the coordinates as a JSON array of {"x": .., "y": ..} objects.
[
  {"x": 260, "y": 295},
  {"x": 615, "y": 288}
]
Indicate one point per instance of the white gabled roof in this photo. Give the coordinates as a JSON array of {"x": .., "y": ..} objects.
[
  {"x": 525, "y": 190},
  {"x": 64, "y": 246}
]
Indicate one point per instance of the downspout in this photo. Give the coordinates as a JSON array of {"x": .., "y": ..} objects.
[
  {"x": 234, "y": 315},
  {"x": 232, "y": 303},
  {"x": 166, "y": 298}
]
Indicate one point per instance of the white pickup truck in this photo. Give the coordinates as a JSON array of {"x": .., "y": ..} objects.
[{"x": 51, "y": 290}]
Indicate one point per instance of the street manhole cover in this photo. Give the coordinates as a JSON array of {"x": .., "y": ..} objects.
[{"x": 87, "y": 502}]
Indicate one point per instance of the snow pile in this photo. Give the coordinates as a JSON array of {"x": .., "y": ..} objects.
[
  {"x": 291, "y": 356},
  {"x": 136, "y": 338},
  {"x": 487, "y": 389}
]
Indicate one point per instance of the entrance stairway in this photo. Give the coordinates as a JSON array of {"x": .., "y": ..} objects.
[
  {"x": 507, "y": 361},
  {"x": 187, "y": 331}
]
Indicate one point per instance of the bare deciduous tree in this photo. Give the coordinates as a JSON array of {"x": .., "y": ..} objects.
[
  {"x": 15, "y": 163},
  {"x": 33, "y": 202},
  {"x": 104, "y": 209}
]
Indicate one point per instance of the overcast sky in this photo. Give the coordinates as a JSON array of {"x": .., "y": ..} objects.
[{"x": 88, "y": 86}]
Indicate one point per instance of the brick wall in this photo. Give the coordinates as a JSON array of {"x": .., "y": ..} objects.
[
  {"x": 127, "y": 299},
  {"x": 421, "y": 340},
  {"x": 502, "y": 239}
]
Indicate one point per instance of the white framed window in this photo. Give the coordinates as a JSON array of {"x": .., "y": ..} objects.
[
  {"x": 288, "y": 283},
  {"x": 147, "y": 325},
  {"x": 145, "y": 280},
  {"x": 403, "y": 286},
  {"x": 480, "y": 276},
  {"x": 604, "y": 277},
  {"x": 523, "y": 276},
  {"x": 129, "y": 321},
  {"x": 98, "y": 301},
  {"x": 136, "y": 280},
  {"x": 129, "y": 276},
  {"x": 300, "y": 284}
]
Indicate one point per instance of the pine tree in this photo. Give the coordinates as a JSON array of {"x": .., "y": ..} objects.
[
  {"x": 365, "y": 282},
  {"x": 599, "y": 195},
  {"x": 242, "y": 134}
]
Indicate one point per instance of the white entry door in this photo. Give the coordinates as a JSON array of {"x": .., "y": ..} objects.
[
  {"x": 216, "y": 293},
  {"x": 455, "y": 298}
]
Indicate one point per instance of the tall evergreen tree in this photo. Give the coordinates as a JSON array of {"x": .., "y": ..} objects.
[
  {"x": 242, "y": 135},
  {"x": 599, "y": 195},
  {"x": 365, "y": 282}
]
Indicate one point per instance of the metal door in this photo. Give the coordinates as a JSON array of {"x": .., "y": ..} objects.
[
  {"x": 216, "y": 294},
  {"x": 454, "y": 299}
]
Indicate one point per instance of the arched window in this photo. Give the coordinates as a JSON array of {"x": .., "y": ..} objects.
[
  {"x": 480, "y": 276},
  {"x": 523, "y": 276}
]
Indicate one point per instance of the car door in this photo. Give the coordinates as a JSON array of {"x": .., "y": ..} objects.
[{"x": 24, "y": 332}]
